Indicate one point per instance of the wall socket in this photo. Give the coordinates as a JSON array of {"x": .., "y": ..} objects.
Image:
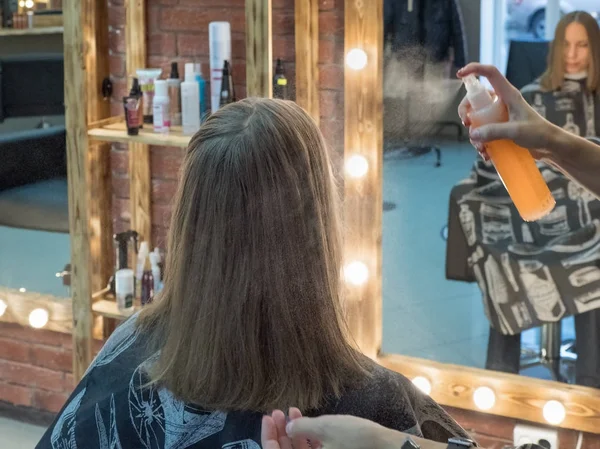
[{"x": 545, "y": 437}]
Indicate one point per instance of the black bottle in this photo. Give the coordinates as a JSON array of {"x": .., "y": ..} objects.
[
  {"x": 136, "y": 91},
  {"x": 280, "y": 89},
  {"x": 227, "y": 89}
]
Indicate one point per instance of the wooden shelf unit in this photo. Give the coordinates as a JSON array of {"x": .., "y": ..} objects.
[
  {"x": 107, "y": 308},
  {"x": 31, "y": 31},
  {"x": 117, "y": 132}
]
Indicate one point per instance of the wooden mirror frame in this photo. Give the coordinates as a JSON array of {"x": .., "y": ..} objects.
[
  {"x": 86, "y": 63},
  {"x": 516, "y": 396}
]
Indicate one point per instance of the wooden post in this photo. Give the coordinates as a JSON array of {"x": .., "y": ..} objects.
[
  {"x": 259, "y": 49},
  {"x": 140, "y": 181},
  {"x": 306, "y": 18},
  {"x": 79, "y": 49},
  {"x": 363, "y": 136}
]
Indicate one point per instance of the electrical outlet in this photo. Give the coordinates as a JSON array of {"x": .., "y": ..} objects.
[{"x": 547, "y": 438}]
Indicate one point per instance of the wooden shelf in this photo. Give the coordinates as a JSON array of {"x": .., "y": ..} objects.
[
  {"x": 117, "y": 132},
  {"x": 31, "y": 31},
  {"x": 108, "y": 309}
]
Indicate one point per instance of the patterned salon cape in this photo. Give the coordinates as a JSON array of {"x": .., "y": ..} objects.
[{"x": 111, "y": 408}]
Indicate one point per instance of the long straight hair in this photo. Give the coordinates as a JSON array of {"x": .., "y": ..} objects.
[
  {"x": 250, "y": 317},
  {"x": 554, "y": 76}
]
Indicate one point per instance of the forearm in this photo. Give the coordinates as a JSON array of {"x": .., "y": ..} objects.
[{"x": 577, "y": 157}]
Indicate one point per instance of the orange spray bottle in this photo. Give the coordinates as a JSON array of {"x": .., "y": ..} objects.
[{"x": 514, "y": 164}]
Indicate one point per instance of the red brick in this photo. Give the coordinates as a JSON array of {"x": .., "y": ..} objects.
[
  {"x": 116, "y": 16},
  {"x": 331, "y": 77},
  {"x": 120, "y": 225},
  {"x": 166, "y": 162},
  {"x": 120, "y": 185},
  {"x": 161, "y": 62},
  {"x": 15, "y": 394},
  {"x": 284, "y": 23},
  {"x": 48, "y": 400},
  {"x": 331, "y": 25},
  {"x": 239, "y": 75},
  {"x": 329, "y": 103},
  {"x": 240, "y": 4},
  {"x": 167, "y": 2},
  {"x": 331, "y": 52},
  {"x": 153, "y": 18},
  {"x": 31, "y": 376},
  {"x": 238, "y": 46},
  {"x": 283, "y": 4},
  {"x": 189, "y": 45},
  {"x": 53, "y": 358},
  {"x": 121, "y": 209},
  {"x": 284, "y": 48},
  {"x": 116, "y": 108},
  {"x": 69, "y": 383},
  {"x": 197, "y": 19},
  {"x": 116, "y": 64},
  {"x": 116, "y": 40},
  {"x": 12, "y": 349},
  {"x": 161, "y": 215},
  {"x": 120, "y": 88},
  {"x": 161, "y": 44},
  {"x": 326, "y": 5},
  {"x": 17, "y": 332},
  {"x": 159, "y": 236},
  {"x": 119, "y": 160},
  {"x": 163, "y": 191},
  {"x": 116, "y": 2}
]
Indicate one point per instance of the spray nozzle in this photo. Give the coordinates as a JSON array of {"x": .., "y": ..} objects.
[
  {"x": 472, "y": 84},
  {"x": 477, "y": 94}
]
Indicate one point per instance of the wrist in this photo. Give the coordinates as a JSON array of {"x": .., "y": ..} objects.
[{"x": 557, "y": 142}]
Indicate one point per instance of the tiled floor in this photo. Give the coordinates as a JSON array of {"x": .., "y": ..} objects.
[
  {"x": 425, "y": 315},
  {"x": 19, "y": 435}
]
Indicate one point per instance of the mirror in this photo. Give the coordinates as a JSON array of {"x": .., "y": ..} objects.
[
  {"x": 34, "y": 225},
  {"x": 456, "y": 254}
]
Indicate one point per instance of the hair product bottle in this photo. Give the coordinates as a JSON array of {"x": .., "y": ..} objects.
[
  {"x": 190, "y": 99},
  {"x": 280, "y": 89},
  {"x": 136, "y": 92},
  {"x": 174, "y": 84},
  {"x": 515, "y": 165},
  {"x": 219, "y": 44},
  {"x": 147, "y": 283},
  {"x": 227, "y": 89},
  {"x": 124, "y": 289},
  {"x": 202, "y": 90},
  {"x": 160, "y": 107}
]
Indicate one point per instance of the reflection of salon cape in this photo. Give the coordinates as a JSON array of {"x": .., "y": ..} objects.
[{"x": 531, "y": 273}]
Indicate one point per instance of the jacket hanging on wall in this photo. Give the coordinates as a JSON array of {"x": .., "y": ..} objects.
[{"x": 424, "y": 31}]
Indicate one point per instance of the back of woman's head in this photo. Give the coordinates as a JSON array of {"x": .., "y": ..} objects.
[
  {"x": 250, "y": 315},
  {"x": 554, "y": 76}
]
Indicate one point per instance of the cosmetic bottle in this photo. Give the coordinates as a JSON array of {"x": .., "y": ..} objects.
[
  {"x": 174, "y": 84},
  {"x": 147, "y": 283},
  {"x": 160, "y": 107},
  {"x": 124, "y": 290},
  {"x": 227, "y": 89},
  {"x": 139, "y": 270},
  {"x": 131, "y": 105},
  {"x": 136, "y": 92},
  {"x": 515, "y": 165},
  {"x": 190, "y": 100},
  {"x": 154, "y": 261},
  {"x": 280, "y": 89},
  {"x": 219, "y": 45},
  {"x": 201, "y": 90},
  {"x": 146, "y": 78}
]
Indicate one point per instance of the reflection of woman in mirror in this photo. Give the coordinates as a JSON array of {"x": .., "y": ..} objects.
[
  {"x": 250, "y": 318},
  {"x": 568, "y": 93}
]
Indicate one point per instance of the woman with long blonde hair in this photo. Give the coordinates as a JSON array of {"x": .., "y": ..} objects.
[{"x": 251, "y": 316}]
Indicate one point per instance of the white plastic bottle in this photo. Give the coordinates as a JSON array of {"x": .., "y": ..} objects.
[
  {"x": 154, "y": 259},
  {"x": 190, "y": 99},
  {"x": 124, "y": 289},
  {"x": 160, "y": 107}
]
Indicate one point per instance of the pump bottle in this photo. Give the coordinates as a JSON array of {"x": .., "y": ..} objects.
[
  {"x": 190, "y": 100},
  {"x": 514, "y": 164}
]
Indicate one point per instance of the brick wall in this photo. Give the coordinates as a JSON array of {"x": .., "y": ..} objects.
[{"x": 178, "y": 31}]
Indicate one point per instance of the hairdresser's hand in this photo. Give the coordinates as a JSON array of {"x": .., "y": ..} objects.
[
  {"x": 525, "y": 126},
  {"x": 273, "y": 433},
  {"x": 350, "y": 432}
]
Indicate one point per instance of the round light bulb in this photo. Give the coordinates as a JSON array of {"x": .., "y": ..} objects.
[
  {"x": 554, "y": 412},
  {"x": 22, "y": 3},
  {"x": 28, "y": 3},
  {"x": 38, "y": 318},
  {"x": 3, "y": 307},
  {"x": 423, "y": 384},
  {"x": 357, "y": 166},
  {"x": 484, "y": 398},
  {"x": 356, "y": 59},
  {"x": 22, "y": 289},
  {"x": 356, "y": 273}
]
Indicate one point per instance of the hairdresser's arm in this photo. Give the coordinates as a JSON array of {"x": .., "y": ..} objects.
[{"x": 577, "y": 157}]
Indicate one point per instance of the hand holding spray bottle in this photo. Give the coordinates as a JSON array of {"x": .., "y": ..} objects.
[{"x": 514, "y": 164}]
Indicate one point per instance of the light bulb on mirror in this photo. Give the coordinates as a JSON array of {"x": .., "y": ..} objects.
[
  {"x": 3, "y": 307},
  {"x": 356, "y": 59},
  {"x": 29, "y": 4},
  {"x": 22, "y": 289},
  {"x": 484, "y": 398},
  {"x": 357, "y": 166},
  {"x": 423, "y": 384},
  {"x": 38, "y": 318},
  {"x": 554, "y": 412},
  {"x": 22, "y": 3},
  {"x": 356, "y": 273}
]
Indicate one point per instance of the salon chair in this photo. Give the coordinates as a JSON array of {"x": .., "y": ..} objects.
[{"x": 33, "y": 170}]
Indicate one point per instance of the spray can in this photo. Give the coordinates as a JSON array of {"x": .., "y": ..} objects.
[{"x": 219, "y": 41}]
